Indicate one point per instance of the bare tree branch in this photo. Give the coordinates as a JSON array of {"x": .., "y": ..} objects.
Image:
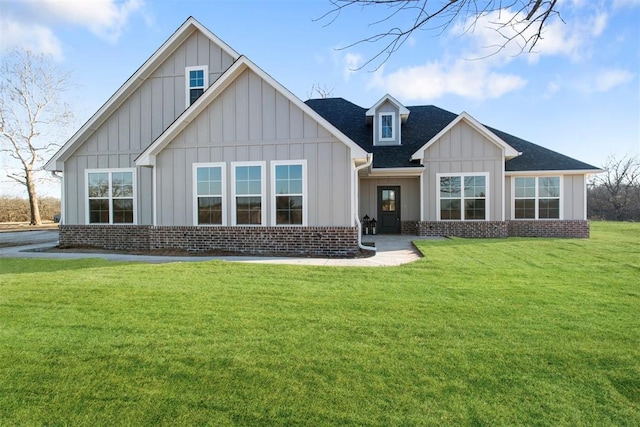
[{"x": 524, "y": 25}]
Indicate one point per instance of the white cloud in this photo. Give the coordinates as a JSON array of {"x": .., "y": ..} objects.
[
  {"x": 625, "y": 3},
  {"x": 34, "y": 37},
  {"x": 105, "y": 18},
  {"x": 352, "y": 62},
  {"x": 469, "y": 79},
  {"x": 571, "y": 39},
  {"x": 610, "y": 79}
]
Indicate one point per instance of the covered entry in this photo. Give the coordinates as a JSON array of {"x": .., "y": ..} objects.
[{"x": 389, "y": 209}]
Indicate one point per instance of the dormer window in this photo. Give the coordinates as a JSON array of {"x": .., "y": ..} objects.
[
  {"x": 387, "y": 117},
  {"x": 387, "y": 128},
  {"x": 196, "y": 82}
]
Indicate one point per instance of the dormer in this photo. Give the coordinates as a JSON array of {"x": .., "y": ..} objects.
[{"x": 387, "y": 117}]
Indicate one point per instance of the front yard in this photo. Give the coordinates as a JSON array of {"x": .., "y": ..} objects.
[{"x": 479, "y": 332}]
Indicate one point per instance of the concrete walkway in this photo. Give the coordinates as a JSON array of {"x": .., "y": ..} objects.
[{"x": 392, "y": 250}]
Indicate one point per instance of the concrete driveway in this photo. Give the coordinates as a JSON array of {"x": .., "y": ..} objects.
[{"x": 392, "y": 250}]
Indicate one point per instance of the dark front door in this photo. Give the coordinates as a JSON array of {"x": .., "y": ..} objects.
[{"x": 388, "y": 210}]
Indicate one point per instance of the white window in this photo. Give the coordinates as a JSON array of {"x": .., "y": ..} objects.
[
  {"x": 209, "y": 202},
  {"x": 197, "y": 80},
  {"x": 462, "y": 196},
  {"x": 536, "y": 197},
  {"x": 387, "y": 127},
  {"x": 111, "y": 196},
  {"x": 248, "y": 187},
  {"x": 289, "y": 189}
]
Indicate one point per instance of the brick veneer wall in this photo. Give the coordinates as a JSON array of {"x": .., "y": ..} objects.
[
  {"x": 120, "y": 237},
  {"x": 497, "y": 229},
  {"x": 491, "y": 229},
  {"x": 298, "y": 241},
  {"x": 549, "y": 228}
]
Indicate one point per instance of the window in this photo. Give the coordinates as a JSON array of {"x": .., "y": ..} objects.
[
  {"x": 248, "y": 193},
  {"x": 197, "y": 79},
  {"x": 536, "y": 197},
  {"x": 462, "y": 197},
  {"x": 289, "y": 188},
  {"x": 111, "y": 196},
  {"x": 387, "y": 130},
  {"x": 209, "y": 184}
]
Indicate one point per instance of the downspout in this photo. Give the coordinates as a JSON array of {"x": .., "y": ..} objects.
[{"x": 357, "y": 186}]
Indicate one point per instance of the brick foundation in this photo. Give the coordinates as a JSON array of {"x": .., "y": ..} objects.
[
  {"x": 284, "y": 241},
  {"x": 469, "y": 229},
  {"x": 498, "y": 229},
  {"x": 549, "y": 228}
]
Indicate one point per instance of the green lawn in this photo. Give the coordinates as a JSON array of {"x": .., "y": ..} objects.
[{"x": 478, "y": 332}]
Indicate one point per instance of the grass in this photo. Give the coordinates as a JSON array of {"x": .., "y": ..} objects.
[{"x": 478, "y": 332}]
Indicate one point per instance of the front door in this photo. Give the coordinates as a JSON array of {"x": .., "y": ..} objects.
[{"x": 388, "y": 210}]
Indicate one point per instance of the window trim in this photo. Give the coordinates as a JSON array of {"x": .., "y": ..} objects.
[
  {"x": 393, "y": 126},
  {"x": 305, "y": 211},
  {"x": 462, "y": 175},
  {"x": 134, "y": 198},
  {"x": 187, "y": 85},
  {"x": 537, "y": 198},
  {"x": 223, "y": 174},
  {"x": 263, "y": 186}
]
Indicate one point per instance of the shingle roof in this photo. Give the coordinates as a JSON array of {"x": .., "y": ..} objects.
[{"x": 424, "y": 122}]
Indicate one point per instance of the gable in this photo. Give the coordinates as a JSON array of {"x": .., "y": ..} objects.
[
  {"x": 152, "y": 98},
  {"x": 249, "y": 111},
  {"x": 462, "y": 141},
  {"x": 252, "y": 113},
  {"x": 506, "y": 149}
]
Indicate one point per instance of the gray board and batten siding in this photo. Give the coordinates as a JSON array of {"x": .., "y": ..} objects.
[
  {"x": 137, "y": 122},
  {"x": 463, "y": 150},
  {"x": 251, "y": 121}
]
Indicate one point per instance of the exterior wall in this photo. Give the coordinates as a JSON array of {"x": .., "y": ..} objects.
[
  {"x": 574, "y": 204},
  {"x": 498, "y": 229},
  {"x": 288, "y": 241},
  {"x": 549, "y": 228},
  {"x": 409, "y": 196},
  {"x": 573, "y": 195},
  {"x": 251, "y": 121},
  {"x": 463, "y": 150},
  {"x": 137, "y": 122},
  {"x": 386, "y": 107}
]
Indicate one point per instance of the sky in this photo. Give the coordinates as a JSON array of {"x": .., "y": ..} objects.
[{"x": 577, "y": 92}]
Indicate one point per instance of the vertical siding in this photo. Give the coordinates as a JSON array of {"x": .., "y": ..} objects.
[
  {"x": 463, "y": 150},
  {"x": 573, "y": 197},
  {"x": 138, "y": 121},
  {"x": 250, "y": 121}
]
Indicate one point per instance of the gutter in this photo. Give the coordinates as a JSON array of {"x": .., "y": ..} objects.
[{"x": 356, "y": 183}]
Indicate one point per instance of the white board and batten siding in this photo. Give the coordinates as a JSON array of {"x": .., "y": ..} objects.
[
  {"x": 139, "y": 120},
  {"x": 463, "y": 150},
  {"x": 251, "y": 121}
]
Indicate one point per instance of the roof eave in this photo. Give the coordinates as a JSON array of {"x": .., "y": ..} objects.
[
  {"x": 554, "y": 172},
  {"x": 508, "y": 151},
  {"x": 131, "y": 85},
  {"x": 147, "y": 157}
]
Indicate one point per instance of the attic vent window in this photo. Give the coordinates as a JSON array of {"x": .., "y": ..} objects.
[
  {"x": 387, "y": 128},
  {"x": 196, "y": 82}
]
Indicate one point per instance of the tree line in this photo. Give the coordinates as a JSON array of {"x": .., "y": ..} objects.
[
  {"x": 16, "y": 209},
  {"x": 614, "y": 195}
]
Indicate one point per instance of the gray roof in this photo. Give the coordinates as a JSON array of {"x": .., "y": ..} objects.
[{"x": 424, "y": 122}]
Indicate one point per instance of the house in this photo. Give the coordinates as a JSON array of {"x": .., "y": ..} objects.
[{"x": 202, "y": 150}]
